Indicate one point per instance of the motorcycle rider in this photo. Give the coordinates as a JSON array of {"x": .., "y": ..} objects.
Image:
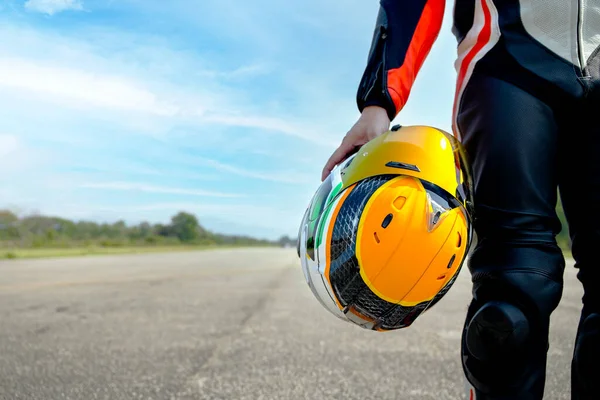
[{"x": 525, "y": 108}]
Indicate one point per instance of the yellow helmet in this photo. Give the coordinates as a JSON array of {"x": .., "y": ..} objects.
[{"x": 386, "y": 234}]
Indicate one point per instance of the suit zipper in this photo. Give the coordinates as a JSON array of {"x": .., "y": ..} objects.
[
  {"x": 580, "y": 54},
  {"x": 384, "y": 76},
  {"x": 378, "y": 54}
]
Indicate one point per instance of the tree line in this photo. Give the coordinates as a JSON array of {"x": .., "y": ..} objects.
[
  {"x": 184, "y": 228},
  {"x": 47, "y": 231}
]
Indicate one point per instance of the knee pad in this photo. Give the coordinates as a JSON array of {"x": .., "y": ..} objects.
[
  {"x": 497, "y": 330},
  {"x": 505, "y": 336}
]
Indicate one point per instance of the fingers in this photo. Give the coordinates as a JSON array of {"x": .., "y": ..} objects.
[
  {"x": 373, "y": 122},
  {"x": 339, "y": 155}
]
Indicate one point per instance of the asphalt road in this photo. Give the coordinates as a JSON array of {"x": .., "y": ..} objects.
[{"x": 231, "y": 324}]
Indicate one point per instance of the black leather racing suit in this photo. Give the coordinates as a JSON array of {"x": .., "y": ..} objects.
[{"x": 527, "y": 108}]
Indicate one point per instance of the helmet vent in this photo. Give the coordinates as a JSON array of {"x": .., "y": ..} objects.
[
  {"x": 376, "y": 237},
  {"x": 399, "y": 202},
  {"x": 459, "y": 242},
  {"x": 451, "y": 261},
  {"x": 386, "y": 221},
  {"x": 401, "y": 165},
  {"x": 441, "y": 277}
]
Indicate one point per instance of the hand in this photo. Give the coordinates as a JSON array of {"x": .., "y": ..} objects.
[{"x": 373, "y": 122}]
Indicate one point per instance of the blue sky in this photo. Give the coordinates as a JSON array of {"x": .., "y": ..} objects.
[{"x": 136, "y": 109}]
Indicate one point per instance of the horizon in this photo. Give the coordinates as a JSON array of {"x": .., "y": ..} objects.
[
  {"x": 227, "y": 110},
  {"x": 35, "y": 214}
]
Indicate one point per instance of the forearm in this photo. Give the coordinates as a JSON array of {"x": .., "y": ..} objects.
[{"x": 404, "y": 35}]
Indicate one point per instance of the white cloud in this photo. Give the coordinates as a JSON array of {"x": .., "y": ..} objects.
[
  {"x": 101, "y": 92},
  {"x": 17, "y": 157},
  {"x": 272, "y": 124},
  {"x": 8, "y": 144},
  {"x": 277, "y": 176},
  {"x": 66, "y": 84},
  {"x": 132, "y": 168},
  {"x": 141, "y": 187},
  {"x": 244, "y": 71},
  {"x": 51, "y": 7}
]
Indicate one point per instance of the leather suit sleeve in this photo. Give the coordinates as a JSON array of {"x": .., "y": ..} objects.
[{"x": 404, "y": 34}]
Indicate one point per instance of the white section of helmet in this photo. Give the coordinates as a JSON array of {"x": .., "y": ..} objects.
[{"x": 314, "y": 267}]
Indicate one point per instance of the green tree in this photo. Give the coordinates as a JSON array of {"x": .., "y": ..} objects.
[
  {"x": 162, "y": 230},
  {"x": 7, "y": 217},
  {"x": 37, "y": 230},
  {"x": 9, "y": 225},
  {"x": 563, "y": 239},
  {"x": 185, "y": 226},
  {"x": 145, "y": 229},
  {"x": 286, "y": 241}
]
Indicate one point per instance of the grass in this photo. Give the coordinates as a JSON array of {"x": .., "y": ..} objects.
[{"x": 97, "y": 250}]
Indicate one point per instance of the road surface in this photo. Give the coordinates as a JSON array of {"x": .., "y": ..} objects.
[{"x": 226, "y": 324}]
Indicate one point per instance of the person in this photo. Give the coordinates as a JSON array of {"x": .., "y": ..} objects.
[{"x": 526, "y": 110}]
